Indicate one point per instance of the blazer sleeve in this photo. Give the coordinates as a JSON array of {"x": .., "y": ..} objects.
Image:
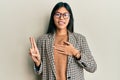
[
  {"x": 87, "y": 61},
  {"x": 38, "y": 70}
]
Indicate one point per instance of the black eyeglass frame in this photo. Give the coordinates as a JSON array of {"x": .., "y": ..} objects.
[{"x": 64, "y": 15}]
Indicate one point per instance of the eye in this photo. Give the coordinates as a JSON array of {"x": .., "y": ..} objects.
[
  {"x": 66, "y": 14},
  {"x": 57, "y": 14}
]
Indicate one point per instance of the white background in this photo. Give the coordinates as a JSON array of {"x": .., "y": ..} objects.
[{"x": 98, "y": 20}]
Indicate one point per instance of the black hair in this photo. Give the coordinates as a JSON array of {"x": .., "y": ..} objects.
[{"x": 52, "y": 27}]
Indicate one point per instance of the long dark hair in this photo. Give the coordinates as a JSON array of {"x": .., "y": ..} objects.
[{"x": 52, "y": 27}]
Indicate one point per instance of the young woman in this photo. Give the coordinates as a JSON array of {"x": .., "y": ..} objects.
[{"x": 61, "y": 54}]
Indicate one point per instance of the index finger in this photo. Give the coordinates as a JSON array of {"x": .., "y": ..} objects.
[
  {"x": 34, "y": 43},
  {"x": 31, "y": 41}
]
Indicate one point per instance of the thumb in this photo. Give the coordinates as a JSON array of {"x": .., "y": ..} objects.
[{"x": 67, "y": 43}]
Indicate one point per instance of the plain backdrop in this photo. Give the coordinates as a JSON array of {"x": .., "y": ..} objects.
[{"x": 98, "y": 20}]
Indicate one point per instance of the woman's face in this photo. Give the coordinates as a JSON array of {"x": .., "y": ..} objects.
[{"x": 61, "y": 18}]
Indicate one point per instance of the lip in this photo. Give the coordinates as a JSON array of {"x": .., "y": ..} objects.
[{"x": 61, "y": 22}]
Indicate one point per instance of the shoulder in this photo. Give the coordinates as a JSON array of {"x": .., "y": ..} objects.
[
  {"x": 42, "y": 38},
  {"x": 78, "y": 35},
  {"x": 80, "y": 38}
]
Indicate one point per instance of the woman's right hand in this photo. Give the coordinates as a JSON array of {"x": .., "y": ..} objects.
[{"x": 34, "y": 52}]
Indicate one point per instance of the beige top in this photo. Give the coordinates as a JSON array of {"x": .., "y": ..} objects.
[{"x": 60, "y": 59}]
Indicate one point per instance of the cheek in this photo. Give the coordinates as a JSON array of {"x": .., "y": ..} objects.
[
  {"x": 55, "y": 21},
  {"x": 67, "y": 21}
]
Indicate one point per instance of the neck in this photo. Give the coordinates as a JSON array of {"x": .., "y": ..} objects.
[{"x": 61, "y": 32}]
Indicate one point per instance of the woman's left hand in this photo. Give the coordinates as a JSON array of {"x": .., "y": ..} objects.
[{"x": 66, "y": 49}]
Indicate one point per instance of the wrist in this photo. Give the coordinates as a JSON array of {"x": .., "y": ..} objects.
[
  {"x": 77, "y": 55},
  {"x": 75, "y": 51},
  {"x": 37, "y": 64}
]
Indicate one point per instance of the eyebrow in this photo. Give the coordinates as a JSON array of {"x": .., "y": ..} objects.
[{"x": 62, "y": 13}]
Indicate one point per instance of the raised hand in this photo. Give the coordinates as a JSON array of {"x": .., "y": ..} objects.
[{"x": 34, "y": 53}]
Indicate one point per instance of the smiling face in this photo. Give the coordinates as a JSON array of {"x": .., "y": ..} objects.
[{"x": 61, "y": 18}]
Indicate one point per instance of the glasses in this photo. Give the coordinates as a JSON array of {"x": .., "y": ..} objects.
[{"x": 64, "y": 15}]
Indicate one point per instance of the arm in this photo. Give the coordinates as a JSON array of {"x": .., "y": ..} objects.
[
  {"x": 86, "y": 59},
  {"x": 38, "y": 68},
  {"x": 35, "y": 55}
]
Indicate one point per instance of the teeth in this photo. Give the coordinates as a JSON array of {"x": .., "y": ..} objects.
[{"x": 61, "y": 22}]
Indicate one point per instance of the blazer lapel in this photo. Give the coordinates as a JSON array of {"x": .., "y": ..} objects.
[
  {"x": 72, "y": 40},
  {"x": 50, "y": 52}
]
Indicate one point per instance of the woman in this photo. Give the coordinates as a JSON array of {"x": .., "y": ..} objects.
[{"x": 61, "y": 54}]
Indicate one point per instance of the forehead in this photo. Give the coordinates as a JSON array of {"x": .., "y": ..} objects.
[{"x": 62, "y": 10}]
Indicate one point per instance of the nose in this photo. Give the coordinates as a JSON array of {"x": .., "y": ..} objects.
[{"x": 61, "y": 17}]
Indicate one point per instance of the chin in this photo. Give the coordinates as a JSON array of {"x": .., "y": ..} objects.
[{"x": 61, "y": 27}]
